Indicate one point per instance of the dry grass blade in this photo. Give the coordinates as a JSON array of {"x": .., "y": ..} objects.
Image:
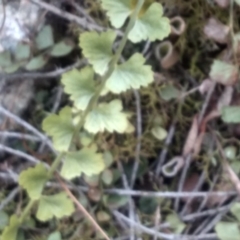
[
  {"x": 82, "y": 209},
  {"x": 191, "y": 138}
]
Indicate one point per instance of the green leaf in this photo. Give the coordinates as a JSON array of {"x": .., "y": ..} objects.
[
  {"x": 107, "y": 176},
  {"x": 92, "y": 181},
  {"x": 108, "y": 159},
  {"x": 36, "y": 63},
  {"x": 55, "y": 236},
  {"x": 33, "y": 180},
  {"x": 151, "y": 25},
  {"x": 84, "y": 161},
  {"x": 107, "y": 116},
  {"x": 62, "y": 48},
  {"x": 235, "y": 210},
  {"x": 22, "y": 51},
  {"x": 115, "y": 201},
  {"x": 118, "y": 11},
  {"x": 235, "y": 165},
  {"x": 80, "y": 86},
  {"x": 175, "y": 223},
  {"x": 230, "y": 152},
  {"x": 60, "y": 128},
  {"x": 44, "y": 38},
  {"x": 5, "y": 59},
  {"x": 97, "y": 48},
  {"x": 4, "y": 218},
  {"x": 103, "y": 216},
  {"x": 131, "y": 74},
  {"x": 231, "y": 114},
  {"x": 58, "y": 205},
  {"x": 14, "y": 67},
  {"x": 148, "y": 205},
  {"x": 224, "y": 73},
  {"x": 226, "y": 229},
  {"x": 10, "y": 232},
  {"x": 159, "y": 133},
  {"x": 169, "y": 92},
  {"x": 238, "y": 2}
]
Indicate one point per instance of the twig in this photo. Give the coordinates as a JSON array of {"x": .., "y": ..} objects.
[
  {"x": 143, "y": 228},
  {"x": 44, "y": 75},
  {"x": 163, "y": 154},
  {"x": 196, "y": 188},
  {"x": 82, "y": 11},
  {"x": 4, "y": 16},
  {"x": 139, "y": 134},
  {"x": 21, "y": 154},
  {"x": 213, "y": 221},
  {"x": 82, "y": 209},
  {"x": 209, "y": 212},
  {"x": 20, "y": 136},
  {"x": 70, "y": 17},
  {"x": 57, "y": 100},
  {"x": 206, "y": 102},
  {"x": 130, "y": 202},
  {"x": 167, "y": 194},
  {"x": 182, "y": 179},
  {"x": 27, "y": 126},
  {"x": 165, "y": 235},
  {"x": 204, "y": 201},
  {"x": 146, "y": 48},
  {"x": 9, "y": 198}
]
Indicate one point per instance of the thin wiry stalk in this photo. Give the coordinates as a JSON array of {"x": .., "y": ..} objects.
[
  {"x": 139, "y": 135},
  {"x": 21, "y": 154},
  {"x": 182, "y": 179},
  {"x": 27, "y": 126},
  {"x": 43, "y": 75},
  {"x": 9, "y": 198}
]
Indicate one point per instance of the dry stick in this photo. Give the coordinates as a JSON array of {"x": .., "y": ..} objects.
[
  {"x": 44, "y": 75},
  {"x": 20, "y": 136},
  {"x": 54, "y": 109},
  {"x": 9, "y": 198},
  {"x": 81, "y": 208},
  {"x": 139, "y": 135},
  {"x": 21, "y": 154},
  {"x": 196, "y": 188},
  {"x": 193, "y": 216},
  {"x": 182, "y": 179},
  {"x": 213, "y": 221},
  {"x": 70, "y": 17},
  {"x": 130, "y": 202},
  {"x": 165, "y": 235},
  {"x": 57, "y": 100},
  {"x": 163, "y": 154},
  {"x": 143, "y": 228},
  {"x": 82, "y": 11},
  {"x": 210, "y": 222},
  {"x": 165, "y": 194},
  {"x": 4, "y": 16},
  {"x": 124, "y": 192},
  {"x": 27, "y": 126},
  {"x": 204, "y": 201}
]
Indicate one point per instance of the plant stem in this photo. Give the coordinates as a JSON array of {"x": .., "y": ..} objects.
[
  {"x": 111, "y": 67},
  {"x": 55, "y": 164},
  {"x": 93, "y": 101},
  {"x": 27, "y": 210}
]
